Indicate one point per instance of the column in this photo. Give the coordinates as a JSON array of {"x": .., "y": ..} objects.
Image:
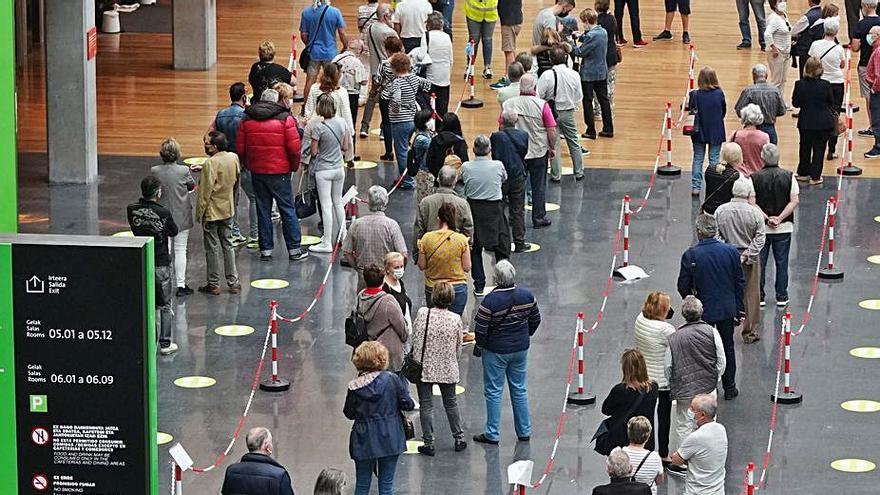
[
  {"x": 195, "y": 34},
  {"x": 8, "y": 157},
  {"x": 71, "y": 116}
]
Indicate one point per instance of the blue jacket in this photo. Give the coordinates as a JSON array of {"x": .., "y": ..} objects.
[
  {"x": 501, "y": 331},
  {"x": 256, "y": 474},
  {"x": 711, "y": 271},
  {"x": 227, "y": 121},
  {"x": 710, "y": 108},
  {"x": 509, "y": 146},
  {"x": 593, "y": 51},
  {"x": 374, "y": 402}
]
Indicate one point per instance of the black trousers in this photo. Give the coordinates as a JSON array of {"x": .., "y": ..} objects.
[
  {"x": 811, "y": 153},
  {"x": 441, "y": 105},
  {"x": 726, "y": 330},
  {"x": 633, "y": 18},
  {"x": 600, "y": 88},
  {"x": 353, "y": 99},
  {"x": 837, "y": 95},
  {"x": 664, "y": 421},
  {"x": 853, "y": 10},
  {"x": 514, "y": 197}
]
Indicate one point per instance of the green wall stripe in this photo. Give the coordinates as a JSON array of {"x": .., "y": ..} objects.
[
  {"x": 8, "y": 434},
  {"x": 8, "y": 152}
]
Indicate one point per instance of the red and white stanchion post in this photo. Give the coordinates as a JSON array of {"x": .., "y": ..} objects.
[
  {"x": 788, "y": 395},
  {"x": 831, "y": 273},
  {"x": 669, "y": 170},
  {"x": 274, "y": 384},
  {"x": 626, "y": 213},
  {"x": 291, "y": 66},
  {"x": 581, "y": 397},
  {"x": 519, "y": 489},
  {"x": 472, "y": 102},
  {"x": 178, "y": 480},
  {"x": 750, "y": 479},
  {"x": 849, "y": 169}
]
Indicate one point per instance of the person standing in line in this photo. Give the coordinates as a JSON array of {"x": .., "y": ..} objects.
[
  {"x": 383, "y": 317},
  {"x": 372, "y": 236},
  {"x": 800, "y": 33},
  {"x": 778, "y": 38},
  {"x": 510, "y": 146},
  {"x": 514, "y": 72},
  {"x": 609, "y": 24},
  {"x": 510, "y": 15},
  {"x": 853, "y": 16},
  {"x": 436, "y": 53},
  {"x": 257, "y": 473},
  {"x": 720, "y": 178},
  {"x": 375, "y": 34},
  {"x": 833, "y": 58},
  {"x": 646, "y": 464},
  {"x": 409, "y": 22},
  {"x": 684, "y": 11},
  {"x": 331, "y": 139},
  {"x": 816, "y": 122},
  {"x": 318, "y": 26},
  {"x": 635, "y": 395},
  {"x": 437, "y": 336},
  {"x": 872, "y": 76},
  {"x": 593, "y": 49},
  {"x": 705, "y": 450},
  {"x": 549, "y": 40},
  {"x": 750, "y": 139},
  {"x": 481, "y": 16},
  {"x": 330, "y": 482},
  {"x": 634, "y": 23},
  {"x": 778, "y": 195},
  {"x": 563, "y": 86},
  {"x": 505, "y": 322},
  {"x": 445, "y": 256},
  {"x": 329, "y": 84},
  {"x": 178, "y": 183},
  {"x": 427, "y": 214},
  {"x": 393, "y": 284},
  {"x": 421, "y": 141},
  {"x": 713, "y": 271},
  {"x": 547, "y": 19},
  {"x": 148, "y": 218},
  {"x": 860, "y": 44},
  {"x": 709, "y": 107},
  {"x": 215, "y": 207},
  {"x": 386, "y": 76},
  {"x": 619, "y": 469},
  {"x": 352, "y": 76},
  {"x": 265, "y": 73},
  {"x": 741, "y": 224},
  {"x": 402, "y": 95},
  {"x": 375, "y": 400},
  {"x": 742, "y": 8},
  {"x": 767, "y": 97}
]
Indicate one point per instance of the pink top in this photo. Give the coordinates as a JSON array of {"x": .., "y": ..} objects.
[
  {"x": 546, "y": 115},
  {"x": 751, "y": 141}
]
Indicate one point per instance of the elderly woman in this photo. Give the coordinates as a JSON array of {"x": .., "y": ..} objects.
[
  {"x": 778, "y": 38},
  {"x": 635, "y": 395},
  {"x": 651, "y": 332},
  {"x": 403, "y": 96},
  {"x": 504, "y": 324},
  {"x": 393, "y": 284},
  {"x": 815, "y": 98},
  {"x": 620, "y": 471},
  {"x": 720, "y": 178},
  {"x": 177, "y": 184},
  {"x": 437, "y": 345},
  {"x": 383, "y": 316},
  {"x": 750, "y": 139},
  {"x": 833, "y": 59},
  {"x": 709, "y": 106},
  {"x": 445, "y": 256},
  {"x": 646, "y": 464},
  {"x": 374, "y": 401},
  {"x": 593, "y": 50},
  {"x": 331, "y": 139}
]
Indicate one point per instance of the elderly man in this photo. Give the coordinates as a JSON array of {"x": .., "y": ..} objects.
[
  {"x": 426, "y": 216},
  {"x": 711, "y": 270},
  {"x": 505, "y": 321},
  {"x": 483, "y": 178},
  {"x": 859, "y": 44},
  {"x": 694, "y": 361},
  {"x": 515, "y": 71},
  {"x": 536, "y": 119},
  {"x": 704, "y": 450},
  {"x": 742, "y": 225},
  {"x": 372, "y": 236},
  {"x": 619, "y": 470},
  {"x": 872, "y": 78},
  {"x": 510, "y": 146},
  {"x": 257, "y": 473},
  {"x": 375, "y": 34},
  {"x": 767, "y": 97},
  {"x": 563, "y": 86},
  {"x": 777, "y": 194}
]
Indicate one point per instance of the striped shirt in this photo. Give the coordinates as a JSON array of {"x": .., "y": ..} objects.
[
  {"x": 650, "y": 469},
  {"x": 506, "y": 319},
  {"x": 402, "y": 96}
]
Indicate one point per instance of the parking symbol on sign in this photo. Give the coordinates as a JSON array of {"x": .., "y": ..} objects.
[
  {"x": 39, "y": 436},
  {"x": 40, "y": 483}
]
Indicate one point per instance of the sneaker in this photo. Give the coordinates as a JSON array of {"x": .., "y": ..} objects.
[
  {"x": 578, "y": 177},
  {"x": 869, "y": 133},
  {"x": 831, "y": 156},
  {"x": 502, "y": 83},
  {"x": 321, "y": 248},
  {"x": 460, "y": 445},
  {"x": 381, "y": 135},
  {"x": 584, "y": 151},
  {"x": 588, "y": 135},
  {"x": 238, "y": 240},
  {"x": 487, "y": 73},
  {"x": 763, "y": 302},
  {"x": 622, "y": 42},
  {"x": 184, "y": 291},
  {"x": 427, "y": 450},
  {"x": 298, "y": 254},
  {"x": 664, "y": 35},
  {"x": 640, "y": 44},
  {"x": 522, "y": 248},
  {"x": 524, "y": 438},
  {"x": 802, "y": 178},
  {"x": 482, "y": 438},
  {"x": 168, "y": 349},
  {"x": 816, "y": 182},
  {"x": 744, "y": 46},
  {"x": 872, "y": 153},
  {"x": 555, "y": 180},
  {"x": 686, "y": 38},
  {"x": 210, "y": 289},
  {"x": 235, "y": 289},
  {"x": 265, "y": 256},
  {"x": 479, "y": 292},
  {"x": 730, "y": 393},
  {"x": 763, "y": 47},
  {"x": 365, "y": 133},
  {"x": 606, "y": 134},
  {"x": 750, "y": 339},
  {"x": 387, "y": 157},
  {"x": 252, "y": 243},
  {"x": 781, "y": 303}
]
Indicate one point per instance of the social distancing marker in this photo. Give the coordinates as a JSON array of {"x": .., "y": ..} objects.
[
  {"x": 877, "y": 219},
  {"x": 866, "y": 352},
  {"x": 310, "y": 240},
  {"x": 364, "y": 165},
  {"x": 567, "y": 171},
  {"x": 874, "y": 259},
  {"x": 376, "y": 131},
  {"x": 872, "y": 304},
  {"x": 533, "y": 246},
  {"x": 195, "y": 382},
  {"x": 163, "y": 438},
  {"x": 124, "y": 233},
  {"x": 853, "y": 465},
  {"x": 861, "y": 405},
  {"x": 234, "y": 330},
  {"x": 412, "y": 446},
  {"x": 196, "y": 160},
  {"x": 269, "y": 283},
  {"x": 547, "y": 206},
  {"x": 458, "y": 390}
]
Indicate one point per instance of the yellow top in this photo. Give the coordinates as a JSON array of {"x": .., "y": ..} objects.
[
  {"x": 443, "y": 251},
  {"x": 481, "y": 10}
]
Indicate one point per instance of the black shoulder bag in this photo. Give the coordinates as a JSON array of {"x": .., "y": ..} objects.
[
  {"x": 633, "y": 477},
  {"x": 605, "y": 428},
  {"x": 552, "y": 102},
  {"x": 305, "y": 58},
  {"x": 412, "y": 369},
  {"x": 479, "y": 352}
]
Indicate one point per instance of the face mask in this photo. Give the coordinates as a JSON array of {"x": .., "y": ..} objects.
[
  {"x": 431, "y": 125},
  {"x": 869, "y": 39},
  {"x": 398, "y": 273},
  {"x": 782, "y": 7},
  {"x": 208, "y": 150},
  {"x": 692, "y": 418}
]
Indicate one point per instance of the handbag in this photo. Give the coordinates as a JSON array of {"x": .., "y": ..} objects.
[
  {"x": 552, "y": 102},
  {"x": 305, "y": 58},
  {"x": 305, "y": 202},
  {"x": 409, "y": 429},
  {"x": 412, "y": 369},
  {"x": 839, "y": 123},
  {"x": 604, "y": 429}
]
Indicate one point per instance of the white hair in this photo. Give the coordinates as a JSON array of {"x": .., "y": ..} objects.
[
  {"x": 759, "y": 71},
  {"x": 691, "y": 309},
  {"x": 832, "y": 26},
  {"x": 269, "y": 95},
  {"x": 751, "y": 114},
  {"x": 509, "y": 118},
  {"x": 482, "y": 145},
  {"x": 377, "y": 198},
  {"x": 770, "y": 152},
  {"x": 742, "y": 188},
  {"x": 505, "y": 274},
  {"x": 527, "y": 84},
  {"x": 447, "y": 176},
  {"x": 706, "y": 226},
  {"x": 871, "y": 4},
  {"x": 618, "y": 463},
  {"x": 706, "y": 404}
]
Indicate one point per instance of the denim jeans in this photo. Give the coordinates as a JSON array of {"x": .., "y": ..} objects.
[
  {"x": 164, "y": 295},
  {"x": 218, "y": 249},
  {"x": 266, "y": 188},
  {"x": 567, "y": 129},
  {"x": 247, "y": 185},
  {"x": 537, "y": 170},
  {"x": 458, "y": 303},
  {"x": 482, "y": 31},
  {"x": 448, "y": 9},
  {"x": 726, "y": 330},
  {"x": 497, "y": 368},
  {"x": 875, "y": 119},
  {"x": 742, "y": 7},
  {"x": 401, "y": 131},
  {"x": 385, "y": 126},
  {"x": 699, "y": 158},
  {"x": 364, "y": 474},
  {"x": 426, "y": 410},
  {"x": 780, "y": 243},
  {"x": 770, "y": 129}
]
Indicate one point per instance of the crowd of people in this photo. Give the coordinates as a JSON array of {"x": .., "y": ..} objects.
[{"x": 471, "y": 197}]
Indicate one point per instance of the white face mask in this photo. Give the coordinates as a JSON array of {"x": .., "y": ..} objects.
[
  {"x": 782, "y": 7},
  {"x": 430, "y": 125},
  {"x": 397, "y": 273},
  {"x": 692, "y": 418}
]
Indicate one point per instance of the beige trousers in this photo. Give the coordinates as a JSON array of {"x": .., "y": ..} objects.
[
  {"x": 752, "y": 299},
  {"x": 778, "y": 70}
]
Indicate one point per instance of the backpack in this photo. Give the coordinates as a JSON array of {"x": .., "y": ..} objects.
[
  {"x": 356, "y": 326},
  {"x": 438, "y": 151},
  {"x": 413, "y": 159}
]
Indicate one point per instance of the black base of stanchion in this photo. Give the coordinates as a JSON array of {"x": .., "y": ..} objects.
[
  {"x": 472, "y": 103},
  {"x": 850, "y": 170},
  {"x": 788, "y": 398},
  {"x": 583, "y": 399},
  {"x": 279, "y": 385},
  {"x": 668, "y": 171},
  {"x": 830, "y": 274}
]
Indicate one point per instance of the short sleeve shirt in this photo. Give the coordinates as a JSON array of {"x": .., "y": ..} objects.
[
  {"x": 545, "y": 19},
  {"x": 443, "y": 251},
  {"x": 705, "y": 451},
  {"x": 650, "y": 468},
  {"x": 831, "y": 55},
  {"x": 861, "y": 31},
  {"x": 330, "y": 135},
  {"x": 321, "y": 39}
]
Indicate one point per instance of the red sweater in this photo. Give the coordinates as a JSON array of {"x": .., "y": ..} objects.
[{"x": 268, "y": 141}]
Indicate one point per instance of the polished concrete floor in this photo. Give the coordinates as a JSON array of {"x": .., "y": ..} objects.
[{"x": 567, "y": 274}]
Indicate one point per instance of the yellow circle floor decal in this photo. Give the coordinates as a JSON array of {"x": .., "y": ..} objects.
[
  {"x": 196, "y": 160},
  {"x": 375, "y": 131},
  {"x": 195, "y": 382},
  {"x": 874, "y": 259},
  {"x": 124, "y": 233},
  {"x": 877, "y": 219},
  {"x": 853, "y": 465},
  {"x": 269, "y": 283},
  {"x": 567, "y": 171},
  {"x": 866, "y": 352},
  {"x": 364, "y": 165},
  {"x": 458, "y": 390},
  {"x": 872, "y": 304},
  {"x": 412, "y": 446},
  {"x": 861, "y": 405},
  {"x": 163, "y": 438},
  {"x": 534, "y": 246},
  {"x": 548, "y": 206},
  {"x": 310, "y": 240},
  {"x": 234, "y": 330}
]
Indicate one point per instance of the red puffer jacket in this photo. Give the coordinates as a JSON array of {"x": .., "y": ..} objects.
[{"x": 267, "y": 140}]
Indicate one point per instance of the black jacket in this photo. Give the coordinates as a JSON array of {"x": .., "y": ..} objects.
[
  {"x": 609, "y": 24},
  {"x": 816, "y": 101},
  {"x": 443, "y": 144},
  {"x": 150, "y": 219},
  {"x": 619, "y": 401},
  {"x": 622, "y": 486},
  {"x": 264, "y": 75},
  {"x": 257, "y": 474}
]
